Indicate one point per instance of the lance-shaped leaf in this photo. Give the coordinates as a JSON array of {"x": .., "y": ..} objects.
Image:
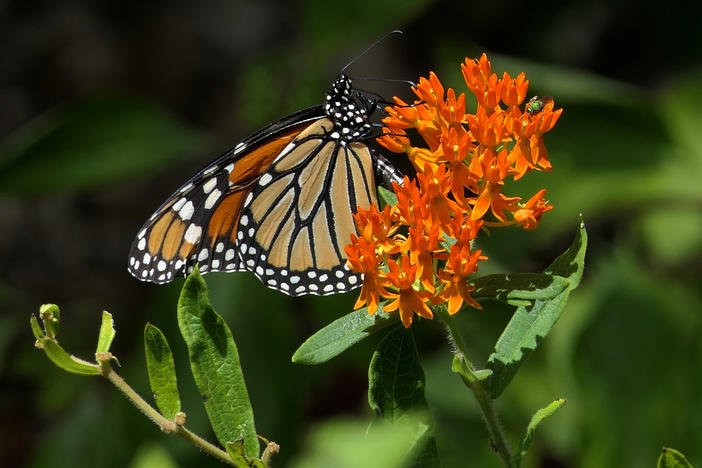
[
  {"x": 527, "y": 438},
  {"x": 671, "y": 458},
  {"x": 161, "y": 369},
  {"x": 341, "y": 334},
  {"x": 519, "y": 288},
  {"x": 107, "y": 333},
  {"x": 533, "y": 322},
  {"x": 57, "y": 354},
  {"x": 396, "y": 389},
  {"x": 214, "y": 360}
]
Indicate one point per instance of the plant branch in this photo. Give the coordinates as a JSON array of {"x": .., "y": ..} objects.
[
  {"x": 475, "y": 383},
  {"x": 165, "y": 424}
]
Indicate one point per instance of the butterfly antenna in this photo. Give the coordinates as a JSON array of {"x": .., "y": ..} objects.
[
  {"x": 396, "y": 31},
  {"x": 386, "y": 80}
]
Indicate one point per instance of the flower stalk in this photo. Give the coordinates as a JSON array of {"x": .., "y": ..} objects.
[{"x": 474, "y": 381}]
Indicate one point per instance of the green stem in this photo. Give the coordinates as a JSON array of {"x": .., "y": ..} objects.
[
  {"x": 165, "y": 424},
  {"x": 497, "y": 437}
]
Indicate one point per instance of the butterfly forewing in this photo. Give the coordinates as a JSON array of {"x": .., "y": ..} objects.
[
  {"x": 198, "y": 223},
  {"x": 298, "y": 217}
]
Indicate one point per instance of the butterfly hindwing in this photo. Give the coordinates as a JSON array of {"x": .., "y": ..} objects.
[{"x": 298, "y": 217}]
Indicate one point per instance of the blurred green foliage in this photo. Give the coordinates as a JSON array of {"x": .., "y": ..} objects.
[{"x": 86, "y": 157}]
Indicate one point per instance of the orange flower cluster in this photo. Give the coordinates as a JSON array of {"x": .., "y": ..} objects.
[{"x": 420, "y": 251}]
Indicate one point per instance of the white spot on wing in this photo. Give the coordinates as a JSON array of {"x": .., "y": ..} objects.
[
  {"x": 186, "y": 212},
  {"x": 265, "y": 179},
  {"x": 179, "y": 204},
  {"x": 204, "y": 253},
  {"x": 193, "y": 233},
  {"x": 212, "y": 199},
  {"x": 209, "y": 185},
  {"x": 142, "y": 243}
]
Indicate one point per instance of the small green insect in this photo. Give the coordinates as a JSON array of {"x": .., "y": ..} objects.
[{"x": 537, "y": 104}]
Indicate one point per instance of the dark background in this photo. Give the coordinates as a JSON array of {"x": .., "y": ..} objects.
[{"x": 107, "y": 107}]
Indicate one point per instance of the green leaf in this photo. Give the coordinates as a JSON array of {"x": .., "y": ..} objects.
[
  {"x": 91, "y": 142},
  {"x": 65, "y": 361},
  {"x": 388, "y": 197},
  {"x": 107, "y": 333},
  {"x": 236, "y": 450},
  {"x": 527, "y": 438},
  {"x": 396, "y": 388},
  {"x": 341, "y": 334},
  {"x": 161, "y": 369},
  {"x": 534, "y": 321},
  {"x": 519, "y": 288},
  {"x": 214, "y": 360},
  {"x": 671, "y": 458},
  {"x": 395, "y": 377},
  {"x": 36, "y": 328}
]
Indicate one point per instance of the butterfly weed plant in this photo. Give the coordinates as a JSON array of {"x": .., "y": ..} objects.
[{"x": 419, "y": 253}]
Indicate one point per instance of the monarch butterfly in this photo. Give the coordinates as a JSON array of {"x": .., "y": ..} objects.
[{"x": 278, "y": 204}]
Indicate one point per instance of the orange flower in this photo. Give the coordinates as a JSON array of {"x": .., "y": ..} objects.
[
  {"x": 529, "y": 215},
  {"x": 363, "y": 259},
  {"x": 408, "y": 300},
  {"x": 423, "y": 247},
  {"x": 377, "y": 226},
  {"x": 460, "y": 264},
  {"x": 495, "y": 169},
  {"x": 419, "y": 252}
]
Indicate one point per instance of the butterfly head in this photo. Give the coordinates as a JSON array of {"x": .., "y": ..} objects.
[{"x": 348, "y": 109}]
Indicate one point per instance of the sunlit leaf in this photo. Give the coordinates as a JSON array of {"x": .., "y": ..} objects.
[
  {"x": 341, "y": 334},
  {"x": 519, "y": 287},
  {"x": 533, "y": 322},
  {"x": 107, "y": 333},
  {"x": 59, "y": 356},
  {"x": 214, "y": 360},
  {"x": 161, "y": 369}
]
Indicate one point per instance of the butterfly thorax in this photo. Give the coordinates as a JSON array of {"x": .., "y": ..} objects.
[{"x": 347, "y": 111}]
